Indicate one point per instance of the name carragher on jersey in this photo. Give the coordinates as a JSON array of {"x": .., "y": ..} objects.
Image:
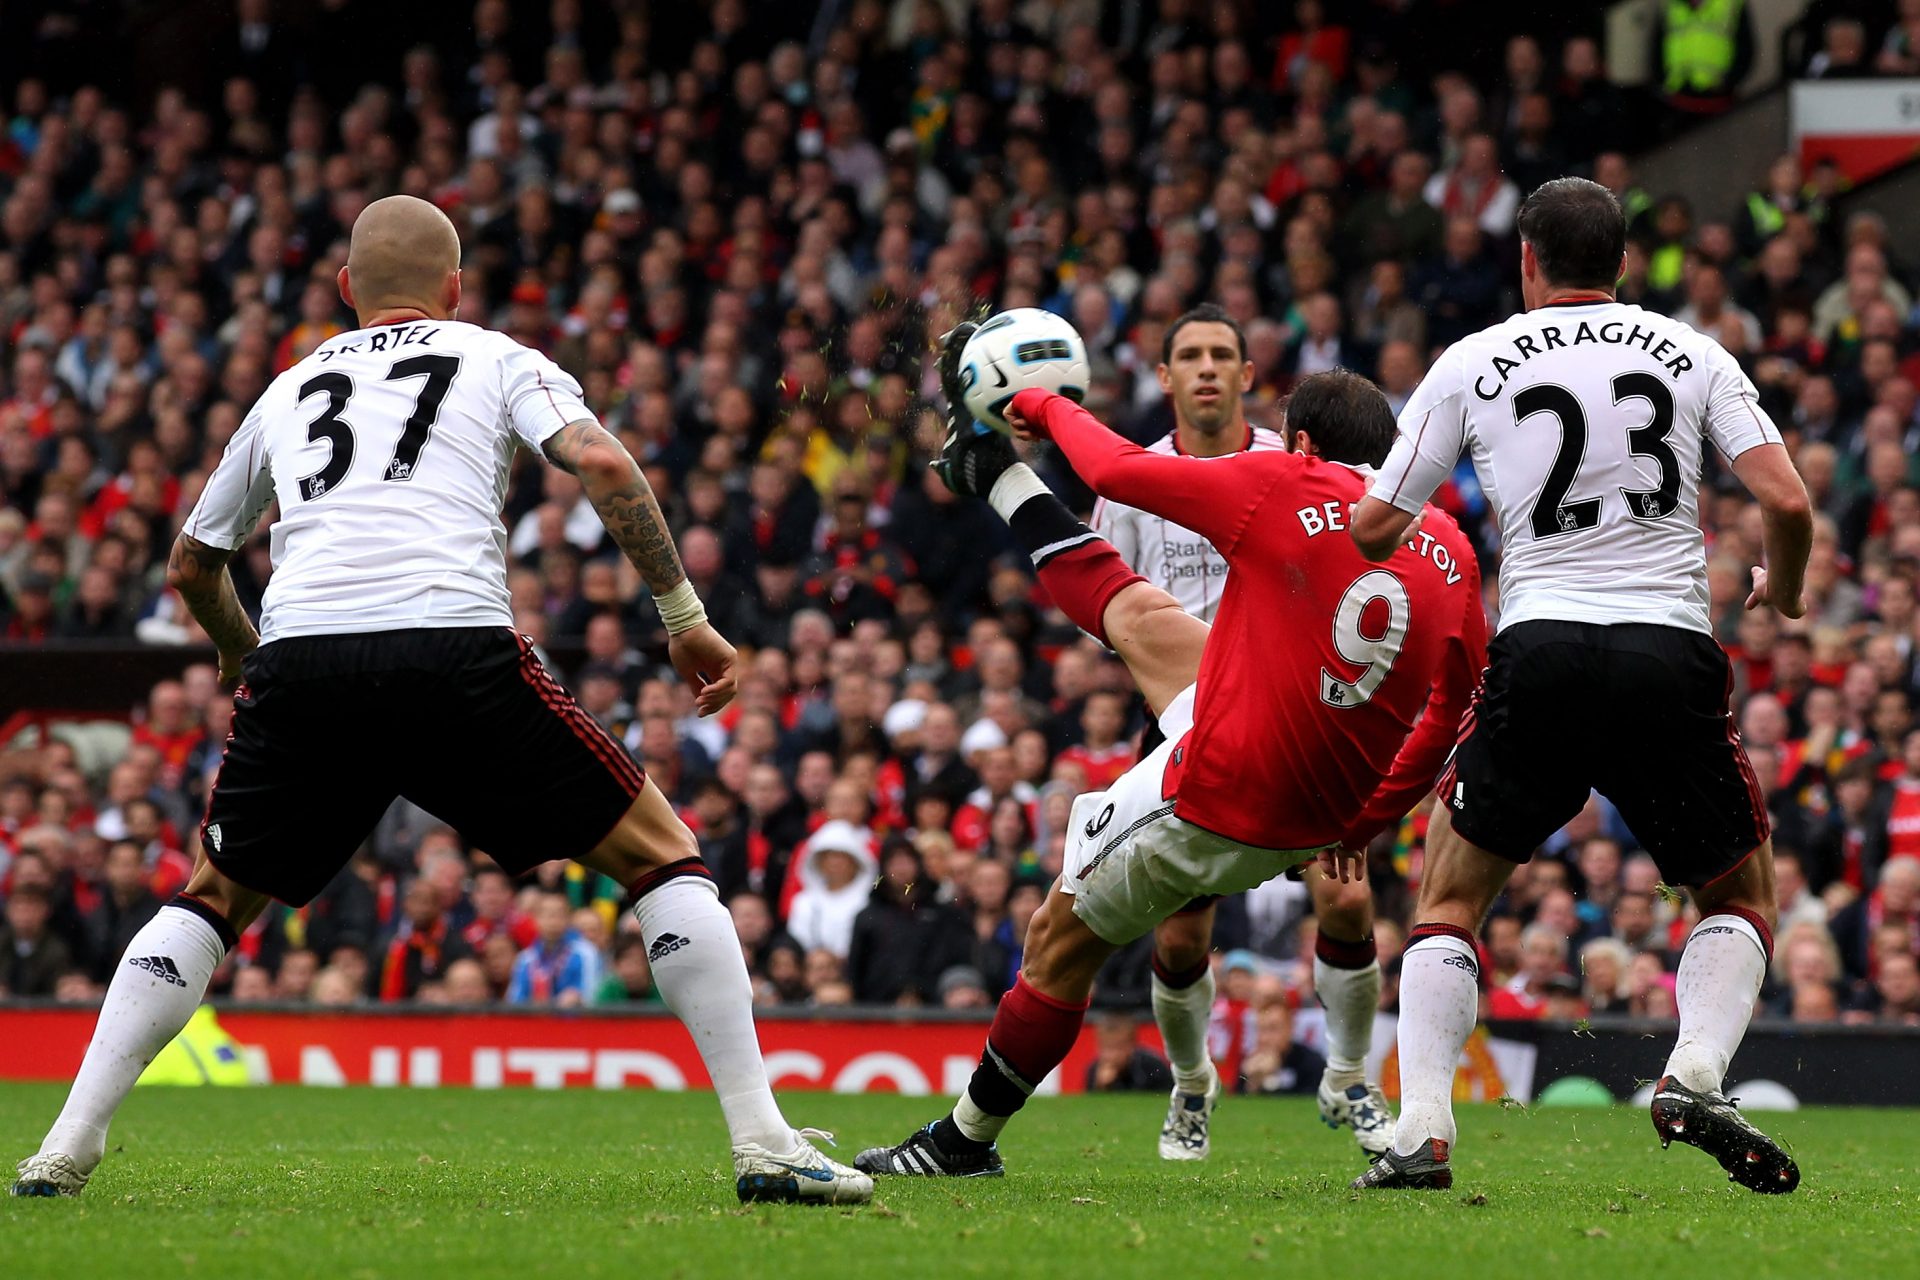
[{"x": 1616, "y": 332}]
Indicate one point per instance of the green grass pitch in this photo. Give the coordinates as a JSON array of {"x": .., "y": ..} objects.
[{"x": 291, "y": 1182}]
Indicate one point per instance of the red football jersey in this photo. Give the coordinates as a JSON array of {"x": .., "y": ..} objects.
[{"x": 1320, "y": 662}]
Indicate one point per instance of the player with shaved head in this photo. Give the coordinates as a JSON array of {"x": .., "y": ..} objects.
[
  {"x": 404, "y": 254},
  {"x": 388, "y": 451}
]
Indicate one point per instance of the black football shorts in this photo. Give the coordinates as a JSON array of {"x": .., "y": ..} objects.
[
  {"x": 1639, "y": 713},
  {"x": 465, "y": 722}
]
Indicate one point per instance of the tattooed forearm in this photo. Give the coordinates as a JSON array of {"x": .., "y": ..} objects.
[
  {"x": 199, "y": 573},
  {"x": 620, "y": 493}
]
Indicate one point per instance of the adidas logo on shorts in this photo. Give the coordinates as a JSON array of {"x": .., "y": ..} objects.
[
  {"x": 160, "y": 967},
  {"x": 665, "y": 945}
]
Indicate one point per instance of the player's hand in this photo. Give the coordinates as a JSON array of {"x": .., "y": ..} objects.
[
  {"x": 1412, "y": 531},
  {"x": 1348, "y": 866},
  {"x": 705, "y": 661},
  {"x": 231, "y": 671},
  {"x": 1022, "y": 429},
  {"x": 1763, "y": 594}
]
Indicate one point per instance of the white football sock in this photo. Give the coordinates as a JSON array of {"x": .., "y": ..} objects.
[
  {"x": 1439, "y": 1003},
  {"x": 979, "y": 1125},
  {"x": 1183, "y": 1014},
  {"x": 695, "y": 955},
  {"x": 1015, "y": 485},
  {"x": 1720, "y": 975},
  {"x": 1351, "y": 997},
  {"x": 156, "y": 988}
]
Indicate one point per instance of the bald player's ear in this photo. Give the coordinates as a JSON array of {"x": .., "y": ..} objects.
[
  {"x": 450, "y": 294},
  {"x": 346, "y": 288}
]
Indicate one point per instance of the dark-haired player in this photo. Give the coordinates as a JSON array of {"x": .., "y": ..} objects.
[
  {"x": 1287, "y": 723},
  {"x": 1588, "y": 420},
  {"x": 1204, "y": 373}
]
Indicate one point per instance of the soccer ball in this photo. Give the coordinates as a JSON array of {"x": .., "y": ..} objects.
[{"x": 1017, "y": 349}]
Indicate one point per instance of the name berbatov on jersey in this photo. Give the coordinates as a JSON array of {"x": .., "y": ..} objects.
[
  {"x": 1331, "y": 517},
  {"x": 388, "y": 449},
  {"x": 1587, "y": 425}
]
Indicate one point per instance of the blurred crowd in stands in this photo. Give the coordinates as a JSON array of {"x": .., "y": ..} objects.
[{"x": 738, "y": 225}]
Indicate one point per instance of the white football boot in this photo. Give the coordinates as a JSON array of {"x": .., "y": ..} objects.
[
  {"x": 49, "y": 1175},
  {"x": 1184, "y": 1135},
  {"x": 1362, "y": 1108},
  {"x": 800, "y": 1175}
]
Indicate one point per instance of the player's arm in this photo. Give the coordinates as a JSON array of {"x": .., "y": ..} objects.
[
  {"x": 1432, "y": 432},
  {"x": 619, "y": 492},
  {"x": 230, "y": 505},
  {"x": 1424, "y": 752},
  {"x": 1743, "y": 432},
  {"x": 1786, "y": 524},
  {"x": 199, "y": 573},
  {"x": 1213, "y": 497}
]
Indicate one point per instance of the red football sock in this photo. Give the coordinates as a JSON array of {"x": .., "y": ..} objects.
[
  {"x": 1033, "y": 1033},
  {"x": 1079, "y": 568},
  {"x": 1083, "y": 579}
]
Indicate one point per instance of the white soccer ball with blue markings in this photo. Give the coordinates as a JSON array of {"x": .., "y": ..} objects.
[{"x": 1017, "y": 349}]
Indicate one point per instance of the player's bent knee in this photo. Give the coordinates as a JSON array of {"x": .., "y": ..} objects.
[
  {"x": 650, "y": 834},
  {"x": 1181, "y": 942},
  {"x": 1459, "y": 910},
  {"x": 1746, "y": 889},
  {"x": 1348, "y": 914},
  {"x": 225, "y": 897}
]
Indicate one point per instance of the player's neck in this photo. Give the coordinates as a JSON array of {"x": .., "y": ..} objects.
[
  {"x": 1199, "y": 444},
  {"x": 394, "y": 315},
  {"x": 1572, "y": 297}
]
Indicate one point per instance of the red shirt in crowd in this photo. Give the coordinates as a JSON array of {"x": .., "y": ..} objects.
[
  {"x": 176, "y": 749},
  {"x": 1903, "y": 821},
  {"x": 1301, "y": 728},
  {"x": 1103, "y": 765}
]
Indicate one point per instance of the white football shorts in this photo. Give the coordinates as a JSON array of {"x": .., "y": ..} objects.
[{"x": 1130, "y": 863}]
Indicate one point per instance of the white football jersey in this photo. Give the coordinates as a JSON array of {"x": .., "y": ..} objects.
[
  {"x": 1588, "y": 425},
  {"x": 1177, "y": 560},
  {"x": 388, "y": 450}
]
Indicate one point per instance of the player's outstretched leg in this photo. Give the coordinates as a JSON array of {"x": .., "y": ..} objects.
[
  {"x": 1346, "y": 976},
  {"x": 1159, "y": 641},
  {"x": 696, "y": 961},
  {"x": 1721, "y": 970},
  {"x": 1033, "y": 1030},
  {"x": 159, "y": 983},
  {"x": 1439, "y": 1004},
  {"x": 1183, "y": 1007}
]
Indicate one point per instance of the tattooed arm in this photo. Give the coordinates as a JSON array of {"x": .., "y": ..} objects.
[
  {"x": 199, "y": 573},
  {"x": 620, "y": 493}
]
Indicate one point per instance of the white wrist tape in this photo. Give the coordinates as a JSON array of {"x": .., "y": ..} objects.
[{"x": 681, "y": 609}]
